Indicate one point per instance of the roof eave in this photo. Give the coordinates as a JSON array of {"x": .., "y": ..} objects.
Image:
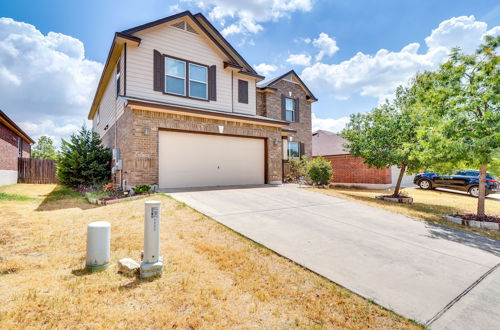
[
  {"x": 4, "y": 118},
  {"x": 200, "y": 16},
  {"x": 119, "y": 39}
]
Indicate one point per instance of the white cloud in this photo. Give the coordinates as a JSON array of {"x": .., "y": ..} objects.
[
  {"x": 174, "y": 8},
  {"x": 326, "y": 45},
  {"x": 329, "y": 124},
  {"x": 44, "y": 78},
  {"x": 493, "y": 32},
  {"x": 378, "y": 74},
  {"x": 299, "y": 59},
  {"x": 49, "y": 128},
  {"x": 265, "y": 69},
  {"x": 463, "y": 31},
  {"x": 246, "y": 16}
]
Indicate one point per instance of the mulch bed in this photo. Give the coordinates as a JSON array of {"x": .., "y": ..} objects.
[{"x": 115, "y": 199}]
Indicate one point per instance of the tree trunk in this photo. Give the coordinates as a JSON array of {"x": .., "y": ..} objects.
[
  {"x": 400, "y": 178},
  {"x": 482, "y": 190}
]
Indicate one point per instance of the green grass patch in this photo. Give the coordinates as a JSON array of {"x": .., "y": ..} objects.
[
  {"x": 62, "y": 193},
  {"x": 11, "y": 197},
  {"x": 97, "y": 194}
]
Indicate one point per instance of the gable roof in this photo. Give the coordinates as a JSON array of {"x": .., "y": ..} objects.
[
  {"x": 325, "y": 143},
  {"x": 269, "y": 84},
  {"x": 4, "y": 119},
  {"x": 121, "y": 38},
  {"x": 202, "y": 22}
]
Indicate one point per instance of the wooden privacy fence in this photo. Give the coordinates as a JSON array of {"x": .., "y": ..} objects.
[{"x": 31, "y": 170}]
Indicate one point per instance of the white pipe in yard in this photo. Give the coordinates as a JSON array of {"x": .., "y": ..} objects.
[
  {"x": 98, "y": 244},
  {"x": 152, "y": 232},
  {"x": 152, "y": 264}
]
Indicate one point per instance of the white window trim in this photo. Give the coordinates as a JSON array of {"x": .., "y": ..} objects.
[
  {"x": 200, "y": 82},
  {"x": 171, "y": 75}
]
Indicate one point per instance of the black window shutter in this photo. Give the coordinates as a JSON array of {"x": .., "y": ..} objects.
[
  {"x": 302, "y": 149},
  {"x": 242, "y": 91},
  {"x": 212, "y": 83},
  {"x": 297, "y": 112},
  {"x": 283, "y": 117},
  {"x": 158, "y": 72}
]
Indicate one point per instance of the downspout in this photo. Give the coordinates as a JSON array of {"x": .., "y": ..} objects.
[{"x": 232, "y": 91}]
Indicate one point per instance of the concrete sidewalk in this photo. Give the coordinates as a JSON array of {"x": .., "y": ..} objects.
[{"x": 420, "y": 270}]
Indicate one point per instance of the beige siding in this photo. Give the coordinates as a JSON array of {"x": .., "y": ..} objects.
[
  {"x": 110, "y": 108},
  {"x": 251, "y": 107},
  {"x": 186, "y": 45}
]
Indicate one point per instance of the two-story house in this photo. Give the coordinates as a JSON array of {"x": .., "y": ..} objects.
[{"x": 181, "y": 108}]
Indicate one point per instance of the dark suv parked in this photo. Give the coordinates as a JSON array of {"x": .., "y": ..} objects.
[{"x": 462, "y": 180}]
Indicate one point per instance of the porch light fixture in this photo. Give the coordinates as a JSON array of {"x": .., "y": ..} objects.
[{"x": 146, "y": 131}]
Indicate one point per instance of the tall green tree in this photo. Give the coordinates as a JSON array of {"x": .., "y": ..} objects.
[
  {"x": 459, "y": 113},
  {"x": 44, "y": 149},
  {"x": 386, "y": 136},
  {"x": 83, "y": 160}
]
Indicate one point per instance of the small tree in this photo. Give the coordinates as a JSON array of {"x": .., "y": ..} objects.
[
  {"x": 460, "y": 113},
  {"x": 386, "y": 136},
  {"x": 298, "y": 167},
  {"x": 44, "y": 149},
  {"x": 83, "y": 160},
  {"x": 319, "y": 170}
]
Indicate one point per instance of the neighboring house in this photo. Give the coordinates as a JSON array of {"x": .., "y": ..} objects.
[
  {"x": 14, "y": 143},
  {"x": 287, "y": 98},
  {"x": 178, "y": 105},
  {"x": 352, "y": 171}
]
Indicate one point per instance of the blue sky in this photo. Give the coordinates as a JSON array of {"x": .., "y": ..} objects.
[{"x": 367, "y": 47}]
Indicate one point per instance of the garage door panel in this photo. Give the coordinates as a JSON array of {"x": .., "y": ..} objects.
[{"x": 197, "y": 160}]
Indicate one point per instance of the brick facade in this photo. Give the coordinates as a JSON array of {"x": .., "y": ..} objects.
[
  {"x": 140, "y": 151},
  {"x": 348, "y": 169},
  {"x": 269, "y": 105},
  {"x": 9, "y": 149}
]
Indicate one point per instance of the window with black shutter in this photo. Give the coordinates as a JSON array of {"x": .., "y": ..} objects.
[
  {"x": 212, "y": 83},
  {"x": 242, "y": 91},
  {"x": 158, "y": 72}
]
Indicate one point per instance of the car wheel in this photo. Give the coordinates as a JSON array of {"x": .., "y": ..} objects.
[
  {"x": 425, "y": 184},
  {"x": 474, "y": 191}
]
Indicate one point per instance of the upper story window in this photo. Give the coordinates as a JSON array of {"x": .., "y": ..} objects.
[
  {"x": 242, "y": 91},
  {"x": 118, "y": 77},
  {"x": 290, "y": 113},
  {"x": 198, "y": 81},
  {"x": 175, "y": 76}
]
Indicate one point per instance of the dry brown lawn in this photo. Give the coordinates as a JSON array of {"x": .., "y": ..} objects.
[
  {"x": 428, "y": 205},
  {"x": 213, "y": 278}
]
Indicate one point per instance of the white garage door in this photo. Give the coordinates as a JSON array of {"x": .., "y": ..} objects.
[{"x": 203, "y": 160}]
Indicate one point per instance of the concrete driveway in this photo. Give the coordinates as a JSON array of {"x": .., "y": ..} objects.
[{"x": 438, "y": 276}]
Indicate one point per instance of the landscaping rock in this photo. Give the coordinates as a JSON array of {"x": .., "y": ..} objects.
[
  {"x": 490, "y": 225},
  {"x": 402, "y": 200},
  {"x": 128, "y": 267},
  {"x": 473, "y": 223},
  {"x": 453, "y": 219}
]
